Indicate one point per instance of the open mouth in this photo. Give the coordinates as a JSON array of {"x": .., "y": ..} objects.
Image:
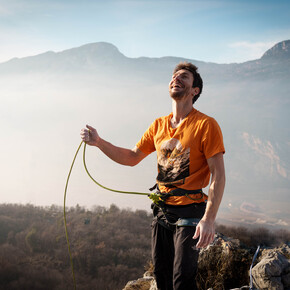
[{"x": 177, "y": 85}]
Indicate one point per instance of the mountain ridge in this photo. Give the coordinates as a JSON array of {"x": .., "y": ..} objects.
[
  {"x": 106, "y": 49},
  {"x": 106, "y": 59}
]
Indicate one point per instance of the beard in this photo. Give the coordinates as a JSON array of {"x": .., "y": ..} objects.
[{"x": 179, "y": 95}]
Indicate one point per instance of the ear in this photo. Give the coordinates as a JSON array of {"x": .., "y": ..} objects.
[{"x": 196, "y": 91}]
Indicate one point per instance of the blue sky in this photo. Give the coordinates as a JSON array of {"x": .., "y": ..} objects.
[{"x": 217, "y": 31}]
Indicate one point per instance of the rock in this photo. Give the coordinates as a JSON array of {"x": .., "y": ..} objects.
[
  {"x": 273, "y": 270},
  {"x": 153, "y": 285},
  {"x": 146, "y": 283},
  {"x": 220, "y": 262},
  {"x": 225, "y": 264},
  {"x": 226, "y": 243},
  {"x": 140, "y": 284}
]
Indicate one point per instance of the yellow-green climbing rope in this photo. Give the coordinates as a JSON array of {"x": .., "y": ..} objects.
[{"x": 153, "y": 196}]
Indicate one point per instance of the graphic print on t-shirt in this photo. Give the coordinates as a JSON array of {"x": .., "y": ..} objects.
[{"x": 173, "y": 161}]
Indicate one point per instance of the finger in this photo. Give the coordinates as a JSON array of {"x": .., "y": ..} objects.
[
  {"x": 203, "y": 240},
  {"x": 196, "y": 234},
  {"x": 207, "y": 241},
  {"x": 200, "y": 242},
  {"x": 90, "y": 128},
  {"x": 211, "y": 238},
  {"x": 84, "y": 134}
]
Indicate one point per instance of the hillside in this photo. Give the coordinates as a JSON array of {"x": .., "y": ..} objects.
[{"x": 109, "y": 246}]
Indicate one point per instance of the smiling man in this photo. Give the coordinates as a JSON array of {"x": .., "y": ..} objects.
[{"x": 189, "y": 146}]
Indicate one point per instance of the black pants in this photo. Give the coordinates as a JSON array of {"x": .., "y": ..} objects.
[{"x": 173, "y": 249}]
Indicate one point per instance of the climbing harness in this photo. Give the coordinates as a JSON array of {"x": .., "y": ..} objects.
[
  {"x": 162, "y": 197},
  {"x": 187, "y": 222},
  {"x": 157, "y": 197}
]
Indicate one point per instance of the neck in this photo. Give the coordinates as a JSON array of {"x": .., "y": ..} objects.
[{"x": 180, "y": 110}]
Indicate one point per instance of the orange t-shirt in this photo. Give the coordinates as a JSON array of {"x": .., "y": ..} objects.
[{"x": 182, "y": 152}]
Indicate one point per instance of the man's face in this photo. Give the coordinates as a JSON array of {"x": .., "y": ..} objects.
[{"x": 180, "y": 85}]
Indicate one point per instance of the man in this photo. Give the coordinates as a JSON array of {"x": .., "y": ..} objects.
[{"x": 190, "y": 149}]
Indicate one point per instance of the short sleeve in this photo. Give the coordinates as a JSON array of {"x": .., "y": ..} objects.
[
  {"x": 212, "y": 140},
  {"x": 146, "y": 143}
]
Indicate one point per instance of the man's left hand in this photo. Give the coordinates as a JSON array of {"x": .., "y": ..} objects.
[{"x": 205, "y": 230}]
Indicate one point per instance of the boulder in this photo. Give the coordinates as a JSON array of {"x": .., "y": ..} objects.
[
  {"x": 139, "y": 284},
  {"x": 225, "y": 264},
  {"x": 273, "y": 270},
  {"x": 147, "y": 282}
]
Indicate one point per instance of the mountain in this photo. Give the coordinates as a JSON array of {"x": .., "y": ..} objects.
[
  {"x": 101, "y": 56},
  {"x": 85, "y": 57},
  {"x": 47, "y": 98},
  {"x": 279, "y": 52}
]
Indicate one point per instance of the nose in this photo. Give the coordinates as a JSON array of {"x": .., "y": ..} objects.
[
  {"x": 174, "y": 78},
  {"x": 177, "y": 77}
]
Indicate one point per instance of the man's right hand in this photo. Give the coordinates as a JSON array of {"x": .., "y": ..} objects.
[
  {"x": 90, "y": 136},
  {"x": 124, "y": 156}
]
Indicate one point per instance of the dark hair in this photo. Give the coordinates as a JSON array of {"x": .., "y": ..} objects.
[{"x": 197, "y": 80}]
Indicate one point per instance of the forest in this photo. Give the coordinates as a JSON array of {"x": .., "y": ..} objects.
[{"x": 110, "y": 246}]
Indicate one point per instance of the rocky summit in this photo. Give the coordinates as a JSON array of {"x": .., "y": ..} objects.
[
  {"x": 225, "y": 264},
  {"x": 279, "y": 51}
]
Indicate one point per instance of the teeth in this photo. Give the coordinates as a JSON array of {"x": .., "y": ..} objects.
[{"x": 176, "y": 86}]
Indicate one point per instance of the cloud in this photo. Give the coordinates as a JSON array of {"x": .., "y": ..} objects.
[
  {"x": 281, "y": 223},
  {"x": 250, "y": 208},
  {"x": 267, "y": 150},
  {"x": 260, "y": 221},
  {"x": 251, "y": 50}
]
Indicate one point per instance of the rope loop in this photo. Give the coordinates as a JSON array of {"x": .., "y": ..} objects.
[{"x": 64, "y": 201}]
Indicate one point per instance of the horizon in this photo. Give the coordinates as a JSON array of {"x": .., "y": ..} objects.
[
  {"x": 146, "y": 28},
  {"x": 103, "y": 42}
]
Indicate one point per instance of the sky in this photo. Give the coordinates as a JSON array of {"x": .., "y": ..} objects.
[{"x": 209, "y": 30}]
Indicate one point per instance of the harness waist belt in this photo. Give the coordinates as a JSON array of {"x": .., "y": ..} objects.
[
  {"x": 182, "y": 192},
  {"x": 187, "y": 222}
]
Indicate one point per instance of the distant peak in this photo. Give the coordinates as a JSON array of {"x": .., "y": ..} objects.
[
  {"x": 103, "y": 50},
  {"x": 101, "y": 47},
  {"x": 280, "y": 50}
]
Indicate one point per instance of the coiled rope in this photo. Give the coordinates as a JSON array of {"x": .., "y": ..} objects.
[{"x": 152, "y": 196}]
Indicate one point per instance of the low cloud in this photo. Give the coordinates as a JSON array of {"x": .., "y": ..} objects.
[
  {"x": 260, "y": 221},
  {"x": 250, "y": 208},
  {"x": 281, "y": 223}
]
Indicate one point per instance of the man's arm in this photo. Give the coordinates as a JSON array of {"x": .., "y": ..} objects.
[
  {"x": 205, "y": 230},
  {"x": 129, "y": 157}
]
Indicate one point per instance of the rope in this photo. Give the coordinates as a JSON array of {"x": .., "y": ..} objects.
[
  {"x": 64, "y": 217},
  {"x": 155, "y": 197},
  {"x": 254, "y": 258},
  {"x": 152, "y": 196},
  {"x": 107, "y": 188}
]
